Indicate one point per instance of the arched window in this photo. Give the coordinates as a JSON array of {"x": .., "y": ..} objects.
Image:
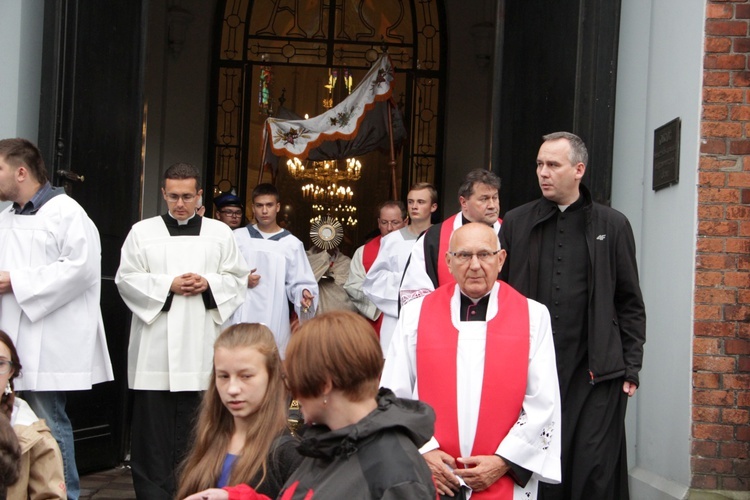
[{"x": 301, "y": 54}]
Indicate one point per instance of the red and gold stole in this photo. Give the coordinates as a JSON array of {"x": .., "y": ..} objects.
[{"x": 506, "y": 364}]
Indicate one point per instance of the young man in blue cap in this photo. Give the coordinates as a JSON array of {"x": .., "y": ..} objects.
[{"x": 229, "y": 210}]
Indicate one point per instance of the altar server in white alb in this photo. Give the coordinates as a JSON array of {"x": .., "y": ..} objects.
[
  {"x": 50, "y": 281},
  {"x": 482, "y": 356},
  {"x": 280, "y": 271},
  {"x": 182, "y": 276},
  {"x": 427, "y": 269},
  {"x": 383, "y": 277}
]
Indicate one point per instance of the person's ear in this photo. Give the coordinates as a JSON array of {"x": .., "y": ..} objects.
[
  {"x": 580, "y": 170},
  {"x": 22, "y": 173},
  {"x": 327, "y": 386},
  {"x": 501, "y": 256},
  {"x": 448, "y": 261}
]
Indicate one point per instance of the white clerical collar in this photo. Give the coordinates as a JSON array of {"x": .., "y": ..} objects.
[
  {"x": 180, "y": 222},
  {"x": 456, "y": 304}
]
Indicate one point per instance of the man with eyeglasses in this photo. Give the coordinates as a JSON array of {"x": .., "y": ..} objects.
[
  {"x": 426, "y": 269},
  {"x": 50, "y": 280},
  {"x": 229, "y": 210},
  {"x": 391, "y": 217},
  {"x": 482, "y": 356},
  {"x": 182, "y": 276},
  {"x": 577, "y": 257},
  {"x": 280, "y": 272},
  {"x": 384, "y": 276}
]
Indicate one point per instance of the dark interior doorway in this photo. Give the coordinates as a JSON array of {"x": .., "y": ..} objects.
[
  {"x": 559, "y": 73},
  {"x": 90, "y": 124}
]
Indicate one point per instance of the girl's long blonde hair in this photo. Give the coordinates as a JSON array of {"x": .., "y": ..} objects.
[{"x": 202, "y": 467}]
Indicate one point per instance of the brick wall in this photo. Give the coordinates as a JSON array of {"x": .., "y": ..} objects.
[{"x": 721, "y": 346}]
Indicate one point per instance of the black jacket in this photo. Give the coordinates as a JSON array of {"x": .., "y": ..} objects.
[
  {"x": 616, "y": 314},
  {"x": 376, "y": 458}
]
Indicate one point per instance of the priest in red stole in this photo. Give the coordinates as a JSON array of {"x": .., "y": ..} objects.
[{"x": 482, "y": 356}]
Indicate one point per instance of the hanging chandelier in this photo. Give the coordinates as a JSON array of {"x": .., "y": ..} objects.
[
  {"x": 345, "y": 213},
  {"x": 327, "y": 195},
  {"x": 325, "y": 172},
  {"x": 344, "y": 221}
]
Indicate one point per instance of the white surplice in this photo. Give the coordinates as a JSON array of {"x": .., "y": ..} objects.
[
  {"x": 173, "y": 350},
  {"x": 53, "y": 315},
  {"x": 534, "y": 441},
  {"x": 284, "y": 273},
  {"x": 382, "y": 281}
]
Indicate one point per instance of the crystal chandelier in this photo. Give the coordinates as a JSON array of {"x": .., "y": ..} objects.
[
  {"x": 325, "y": 172},
  {"x": 323, "y": 188},
  {"x": 348, "y": 221},
  {"x": 327, "y": 195},
  {"x": 347, "y": 214}
]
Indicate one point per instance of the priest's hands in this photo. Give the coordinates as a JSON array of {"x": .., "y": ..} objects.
[
  {"x": 5, "y": 285},
  {"x": 441, "y": 464},
  {"x": 253, "y": 279},
  {"x": 481, "y": 470},
  {"x": 189, "y": 284}
]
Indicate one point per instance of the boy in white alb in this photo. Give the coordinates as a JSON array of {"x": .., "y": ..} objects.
[{"x": 280, "y": 272}]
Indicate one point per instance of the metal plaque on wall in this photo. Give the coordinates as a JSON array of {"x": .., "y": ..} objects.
[{"x": 667, "y": 155}]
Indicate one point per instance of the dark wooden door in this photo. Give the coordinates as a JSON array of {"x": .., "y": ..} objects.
[
  {"x": 91, "y": 125},
  {"x": 559, "y": 73}
]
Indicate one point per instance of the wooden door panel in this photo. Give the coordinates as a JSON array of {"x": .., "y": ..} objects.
[{"x": 90, "y": 124}]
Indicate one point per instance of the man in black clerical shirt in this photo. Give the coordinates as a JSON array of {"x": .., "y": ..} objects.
[
  {"x": 182, "y": 276},
  {"x": 578, "y": 258}
]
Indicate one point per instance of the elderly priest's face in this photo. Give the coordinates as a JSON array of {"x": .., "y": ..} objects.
[{"x": 475, "y": 258}]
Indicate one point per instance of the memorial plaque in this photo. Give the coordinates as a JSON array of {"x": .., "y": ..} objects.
[{"x": 667, "y": 155}]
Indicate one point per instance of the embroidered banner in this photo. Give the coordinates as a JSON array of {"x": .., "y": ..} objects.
[{"x": 356, "y": 126}]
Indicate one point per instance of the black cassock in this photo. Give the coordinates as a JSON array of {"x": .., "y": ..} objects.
[{"x": 593, "y": 433}]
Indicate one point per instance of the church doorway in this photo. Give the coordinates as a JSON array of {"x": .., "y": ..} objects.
[{"x": 273, "y": 58}]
